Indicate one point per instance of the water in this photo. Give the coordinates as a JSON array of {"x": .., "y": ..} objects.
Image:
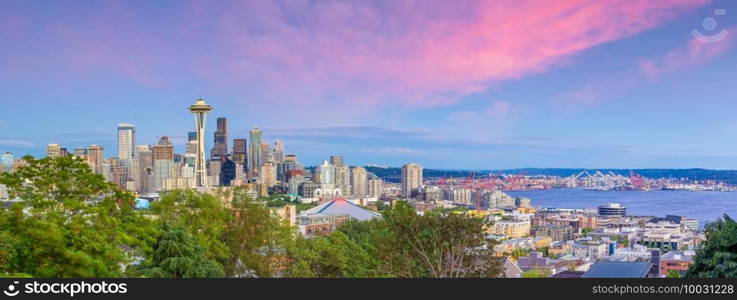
[{"x": 704, "y": 206}]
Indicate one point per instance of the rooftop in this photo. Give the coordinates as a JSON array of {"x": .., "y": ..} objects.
[
  {"x": 618, "y": 269},
  {"x": 341, "y": 206}
]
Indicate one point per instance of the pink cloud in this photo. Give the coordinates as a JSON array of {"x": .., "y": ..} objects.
[
  {"x": 695, "y": 52},
  {"x": 426, "y": 53},
  {"x": 691, "y": 54},
  {"x": 362, "y": 53}
]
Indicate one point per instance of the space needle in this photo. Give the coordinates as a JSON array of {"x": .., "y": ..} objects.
[{"x": 200, "y": 110}]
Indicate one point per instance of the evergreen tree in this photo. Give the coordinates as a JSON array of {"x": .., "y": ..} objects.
[
  {"x": 717, "y": 256},
  {"x": 177, "y": 255}
]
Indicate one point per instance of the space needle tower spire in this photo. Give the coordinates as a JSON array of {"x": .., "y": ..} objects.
[{"x": 200, "y": 110}]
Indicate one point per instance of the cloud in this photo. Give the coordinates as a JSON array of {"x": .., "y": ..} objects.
[
  {"x": 15, "y": 143},
  {"x": 497, "y": 111},
  {"x": 421, "y": 53},
  {"x": 399, "y": 151},
  {"x": 693, "y": 53},
  {"x": 689, "y": 55},
  {"x": 365, "y": 53}
]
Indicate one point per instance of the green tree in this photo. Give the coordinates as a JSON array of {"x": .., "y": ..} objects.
[
  {"x": 519, "y": 252},
  {"x": 585, "y": 231},
  {"x": 203, "y": 215},
  {"x": 436, "y": 244},
  {"x": 332, "y": 256},
  {"x": 673, "y": 274},
  {"x": 537, "y": 273},
  {"x": 72, "y": 223},
  {"x": 717, "y": 256},
  {"x": 257, "y": 240},
  {"x": 178, "y": 255}
]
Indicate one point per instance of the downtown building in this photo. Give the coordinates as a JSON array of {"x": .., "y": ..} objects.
[
  {"x": 220, "y": 145},
  {"x": 255, "y": 148},
  {"x": 411, "y": 179}
]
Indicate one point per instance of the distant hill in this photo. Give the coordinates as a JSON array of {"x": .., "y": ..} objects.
[{"x": 394, "y": 174}]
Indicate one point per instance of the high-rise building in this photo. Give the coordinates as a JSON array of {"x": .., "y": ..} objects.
[
  {"x": 163, "y": 170},
  {"x": 53, "y": 150},
  {"x": 118, "y": 174},
  {"x": 126, "y": 142},
  {"x": 63, "y": 152},
  {"x": 343, "y": 179},
  {"x": 267, "y": 155},
  {"x": 411, "y": 179},
  {"x": 336, "y": 160},
  {"x": 278, "y": 152},
  {"x": 6, "y": 162},
  {"x": 359, "y": 182},
  {"x": 255, "y": 157},
  {"x": 375, "y": 186},
  {"x": 164, "y": 150},
  {"x": 200, "y": 110},
  {"x": 191, "y": 146},
  {"x": 325, "y": 173},
  {"x": 240, "y": 152},
  {"x": 267, "y": 174},
  {"x": 213, "y": 172},
  {"x": 162, "y": 155},
  {"x": 80, "y": 153},
  {"x": 126, "y": 152},
  {"x": 227, "y": 171},
  {"x": 96, "y": 158},
  {"x": 145, "y": 169},
  {"x": 220, "y": 147}
]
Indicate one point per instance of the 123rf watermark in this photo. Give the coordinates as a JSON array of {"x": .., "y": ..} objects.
[{"x": 69, "y": 289}]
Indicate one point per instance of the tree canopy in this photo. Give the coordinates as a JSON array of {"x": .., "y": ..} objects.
[
  {"x": 72, "y": 223},
  {"x": 717, "y": 256}
]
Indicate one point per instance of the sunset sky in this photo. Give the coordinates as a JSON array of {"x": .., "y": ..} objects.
[{"x": 447, "y": 84}]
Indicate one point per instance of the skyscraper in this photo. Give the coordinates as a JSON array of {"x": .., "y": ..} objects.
[
  {"x": 164, "y": 150},
  {"x": 278, "y": 152},
  {"x": 145, "y": 169},
  {"x": 411, "y": 179},
  {"x": 200, "y": 110},
  {"x": 53, "y": 150},
  {"x": 220, "y": 147},
  {"x": 325, "y": 173},
  {"x": 227, "y": 171},
  {"x": 240, "y": 153},
  {"x": 267, "y": 175},
  {"x": 126, "y": 151},
  {"x": 375, "y": 186},
  {"x": 254, "y": 151},
  {"x": 267, "y": 157},
  {"x": 126, "y": 142},
  {"x": 343, "y": 179},
  {"x": 359, "y": 182},
  {"x": 96, "y": 158},
  {"x": 336, "y": 160}
]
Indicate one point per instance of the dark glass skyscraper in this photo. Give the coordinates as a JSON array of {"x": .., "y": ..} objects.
[
  {"x": 227, "y": 171},
  {"x": 240, "y": 153},
  {"x": 220, "y": 146}
]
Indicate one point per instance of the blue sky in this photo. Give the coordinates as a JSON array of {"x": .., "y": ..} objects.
[{"x": 574, "y": 84}]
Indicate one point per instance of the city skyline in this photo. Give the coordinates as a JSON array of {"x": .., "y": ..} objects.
[{"x": 617, "y": 92}]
